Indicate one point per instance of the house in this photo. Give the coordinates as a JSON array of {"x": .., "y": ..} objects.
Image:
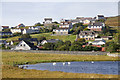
[
  {"x": 49, "y": 41},
  {"x": 35, "y": 28},
  {"x": 96, "y": 26},
  {"x": 16, "y": 30},
  {"x": 5, "y": 27},
  {"x": 24, "y": 45},
  {"x": 107, "y": 37},
  {"x": 98, "y": 41},
  {"x": 86, "y": 20},
  {"x": 3, "y": 42},
  {"x": 47, "y": 20},
  {"x": 63, "y": 29},
  {"x": 98, "y": 17},
  {"x": 87, "y": 35},
  {"x": 20, "y": 25},
  {"x": 32, "y": 40},
  {"x": 5, "y": 33},
  {"x": 29, "y": 31}
]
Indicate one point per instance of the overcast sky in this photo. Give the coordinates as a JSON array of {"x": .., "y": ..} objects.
[{"x": 30, "y": 13}]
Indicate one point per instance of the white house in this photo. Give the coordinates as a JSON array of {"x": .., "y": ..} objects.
[
  {"x": 98, "y": 41},
  {"x": 47, "y": 20},
  {"x": 16, "y": 30},
  {"x": 49, "y": 41},
  {"x": 29, "y": 31},
  {"x": 96, "y": 26},
  {"x": 87, "y": 35},
  {"x": 63, "y": 29},
  {"x": 24, "y": 45}
]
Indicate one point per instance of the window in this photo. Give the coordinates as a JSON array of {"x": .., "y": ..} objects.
[{"x": 23, "y": 44}]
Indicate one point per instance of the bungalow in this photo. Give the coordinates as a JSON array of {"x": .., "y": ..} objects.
[
  {"x": 96, "y": 26},
  {"x": 5, "y": 33},
  {"x": 86, "y": 20},
  {"x": 98, "y": 41},
  {"x": 87, "y": 35},
  {"x": 49, "y": 41},
  {"x": 16, "y": 30},
  {"x": 24, "y": 45},
  {"x": 29, "y": 31}
]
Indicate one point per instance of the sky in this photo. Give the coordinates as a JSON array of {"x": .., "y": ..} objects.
[{"x": 29, "y": 13}]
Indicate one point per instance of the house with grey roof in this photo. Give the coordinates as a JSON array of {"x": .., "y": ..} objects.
[
  {"x": 98, "y": 17},
  {"x": 63, "y": 29},
  {"x": 98, "y": 41},
  {"x": 96, "y": 26},
  {"x": 87, "y": 35},
  {"x": 24, "y": 45}
]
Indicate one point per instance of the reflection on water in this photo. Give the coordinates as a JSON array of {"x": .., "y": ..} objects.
[{"x": 99, "y": 67}]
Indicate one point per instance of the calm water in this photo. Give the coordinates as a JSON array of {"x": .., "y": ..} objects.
[{"x": 99, "y": 67}]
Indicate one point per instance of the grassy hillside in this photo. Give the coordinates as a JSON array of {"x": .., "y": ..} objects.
[
  {"x": 8, "y": 71},
  {"x": 61, "y": 37},
  {"x": 112, "y": 21},
  {"x": 48, "y": 36}
]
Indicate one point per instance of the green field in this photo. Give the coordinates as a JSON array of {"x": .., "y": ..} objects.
[
  {"x": 48, "y": 36},
  {"x": 8, "y": 71}
]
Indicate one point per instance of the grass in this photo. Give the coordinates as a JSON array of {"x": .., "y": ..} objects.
[
  {"x": 48, "y": 36},
  {"x": 112, "y": 21},
  {"x": 61, "y": 37},
  {"x": 8, "y": 71}
]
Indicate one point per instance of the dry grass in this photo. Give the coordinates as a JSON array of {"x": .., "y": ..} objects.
[{"x": 8, "y": 71}]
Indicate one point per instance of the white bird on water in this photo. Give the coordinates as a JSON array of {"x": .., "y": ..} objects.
[
  {"x": 54, "y": 63},
  {"x": 69, "y": 63},
  {"x": 92, "y": 62},
  {"x": 63, "y": 63}
]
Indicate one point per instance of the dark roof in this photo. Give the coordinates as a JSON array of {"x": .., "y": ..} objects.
[
  {"x": 5, "y": 26},
  {"x": 96, "y": 24},
  {"x": 47, "y": 18},
  {"x": 30, "y": 44},
  {"x": 32, "y": 39},
  {"x": 100, "y": 15}
]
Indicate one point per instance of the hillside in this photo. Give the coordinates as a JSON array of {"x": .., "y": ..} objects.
[
  {"x": 48, "y": 36},
  {"x": 113, "y": 21}
]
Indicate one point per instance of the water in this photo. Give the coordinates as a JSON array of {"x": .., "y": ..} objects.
[{"x": 98, "y": 67}]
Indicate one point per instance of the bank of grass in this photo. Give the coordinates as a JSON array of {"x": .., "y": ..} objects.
[
  {"x": 48, "y": 36},
  {"x": 8, "y": 71}
]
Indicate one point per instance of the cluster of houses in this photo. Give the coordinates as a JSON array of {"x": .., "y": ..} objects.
[{"x": 64, "y": 29}]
